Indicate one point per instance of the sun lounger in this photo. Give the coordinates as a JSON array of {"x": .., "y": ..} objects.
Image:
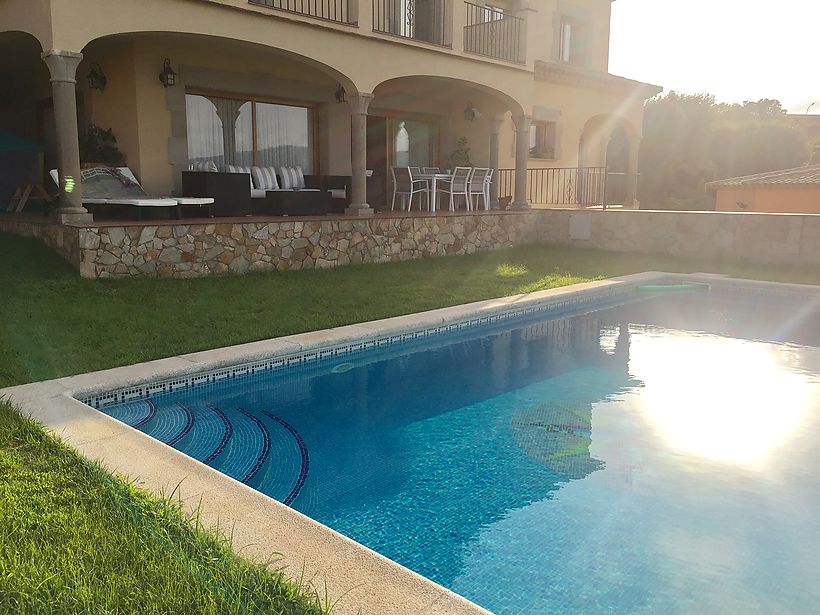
[{"x": 119, "y": 187}]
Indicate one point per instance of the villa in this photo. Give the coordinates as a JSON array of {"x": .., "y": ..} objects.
[
  {"x": 342, "y": 89},
  {"x": 616, "y": 412}
]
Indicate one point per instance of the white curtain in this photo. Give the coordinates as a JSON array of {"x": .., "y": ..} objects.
[
  {"x": 221, "y": 130},
  {"x": 205, "y": 135}
]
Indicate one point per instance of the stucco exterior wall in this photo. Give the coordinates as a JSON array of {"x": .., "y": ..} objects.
[
  {"x": 116, "y": 107},
  {"x": 547, "y": 23},
  {"x": 801, "y": 200}
]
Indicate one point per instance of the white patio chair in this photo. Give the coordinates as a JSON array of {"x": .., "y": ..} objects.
[
  {"x": 405, "y": 185},
  {"x": 459, "y": 185},
  {"x": 478, "y": 185},
  {"x": 489, "y": 186},
  {"x": 431, "y": 170}
]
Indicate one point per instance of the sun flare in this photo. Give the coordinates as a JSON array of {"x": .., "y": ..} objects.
[{"x": 727, "y": 400}]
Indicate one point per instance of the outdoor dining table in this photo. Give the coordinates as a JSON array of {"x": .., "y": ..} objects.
[{"x": 432, "y": 178}]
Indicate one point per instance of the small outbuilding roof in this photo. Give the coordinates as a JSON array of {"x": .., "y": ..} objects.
[{"x": 801, "y": 176}]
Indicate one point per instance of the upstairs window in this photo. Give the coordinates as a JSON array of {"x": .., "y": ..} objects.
[
  {"x": 492, "y": 13},
  {"x": 572, "y": 41},
  {"x": 543, "y": 141}
]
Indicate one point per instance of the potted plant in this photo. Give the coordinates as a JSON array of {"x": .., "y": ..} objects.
[
  {"x": 98, "y": 148},
  {"x": 460, "y": 156}
]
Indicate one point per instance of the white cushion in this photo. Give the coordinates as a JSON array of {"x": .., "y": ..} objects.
[
  {"x": 190, "y": 200},
  {"x": 338, "y": 193},
  {"x": 208, "y": 166},
  {"x": 291, "y": 178},
  {"x": 141, "y": 202},
  {"x": 264, "y": 178},
  {"x": 256, "y": 193},
  {"x": 125, "y": 171}
]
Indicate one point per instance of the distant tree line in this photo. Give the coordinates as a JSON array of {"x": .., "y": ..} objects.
[{"x": 689, "y": 140}]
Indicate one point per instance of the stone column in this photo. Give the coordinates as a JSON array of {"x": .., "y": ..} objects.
[
  {"x": 62, "y": 66},
  {"x": 632, "y": 175},
  {"x": 359, "y": 103},
  {"x": 495, "y": 129},
  {"x": 522, "y": 158}
]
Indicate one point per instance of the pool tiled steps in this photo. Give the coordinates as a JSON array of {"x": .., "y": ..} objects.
[{"x": 263, "y": 451}]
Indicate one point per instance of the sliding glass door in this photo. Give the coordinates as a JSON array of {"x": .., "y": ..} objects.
[
  {"x": 248, "y": 131},
  {"x": 415, "y": 143}
]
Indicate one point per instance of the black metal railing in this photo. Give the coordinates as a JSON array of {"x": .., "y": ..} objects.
[
  {"x": 329, "y": 10},
  {"x": 493, "y": 32},
  {"x": 420, "y": 20},
  {"x": 578, "y": 187},
  {"x": 618, "y": 187}
]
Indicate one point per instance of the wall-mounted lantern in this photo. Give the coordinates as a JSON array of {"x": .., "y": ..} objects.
[
  {"x": 167, "y": 77},
  {"x": 340, "y": 94},
  {"x": 96, "y": 77},
  {"x": 471, "y": 113}
]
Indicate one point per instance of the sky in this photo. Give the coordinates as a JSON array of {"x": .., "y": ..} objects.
[{"x": 735, "y": 49}]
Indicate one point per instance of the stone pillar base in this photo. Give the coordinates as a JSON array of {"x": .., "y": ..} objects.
[
  {"x": 518, "y": 206},
  {"x": 64, "y": 217},
  {"x": 362, "y": 211}
]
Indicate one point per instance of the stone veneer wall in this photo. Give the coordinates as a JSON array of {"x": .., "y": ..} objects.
[
  {"x": 183, "y": 250},
  {"x": 62, "y": 239}
]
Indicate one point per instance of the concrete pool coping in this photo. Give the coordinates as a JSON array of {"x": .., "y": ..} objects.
[{"x": 358, "y": 579}]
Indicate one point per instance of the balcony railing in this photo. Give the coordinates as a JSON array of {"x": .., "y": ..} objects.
[
  {"x": 493, "y": 32},
  {"x": 578, "y": 187},
  {"x": 420, "y": 20},
  {"x": 329, "y": 10}
]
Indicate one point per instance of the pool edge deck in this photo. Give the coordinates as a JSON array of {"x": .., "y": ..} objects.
[{"x": 357, "y": 578}]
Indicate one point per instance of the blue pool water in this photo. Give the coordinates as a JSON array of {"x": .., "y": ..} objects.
[{"x": 659, "y": 456}]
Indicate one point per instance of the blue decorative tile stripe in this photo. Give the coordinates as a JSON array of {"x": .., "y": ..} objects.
[
  {"x": 189, "y": 423},
  {"x": 225, "y": 436},
  {"x": 152, "y": 412},
  {"x": 561, "y": 306},
  {"x": 263, "y": 455},
  {"x": 305, "y": 459}
]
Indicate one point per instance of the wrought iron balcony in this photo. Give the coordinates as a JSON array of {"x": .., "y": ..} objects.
[
  {"x": 329, "y": 10},
  {"x": 493, "y": 32},
  {"x": 420, "y": 20}
]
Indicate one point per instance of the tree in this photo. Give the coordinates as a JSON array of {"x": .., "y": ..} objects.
[{"x": 689, "y": 140}]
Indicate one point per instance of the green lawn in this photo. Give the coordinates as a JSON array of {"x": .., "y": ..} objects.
[
  {"x": 54, "y": 323},
  {"x": 75, "y": 539}
]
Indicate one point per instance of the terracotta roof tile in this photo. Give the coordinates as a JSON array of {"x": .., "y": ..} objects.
[{"x": 801, "y": 176}]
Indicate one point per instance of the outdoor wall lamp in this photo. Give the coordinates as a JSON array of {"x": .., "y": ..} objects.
[
  {"x": 340, "y": 94},
  {"x": 96, "y": 77},
  {"x": 167, "y": 77},
  {"x": 471, "y": 113}
]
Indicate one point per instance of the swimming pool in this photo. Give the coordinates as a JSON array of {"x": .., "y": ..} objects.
[{"x": 657, "y": 455}]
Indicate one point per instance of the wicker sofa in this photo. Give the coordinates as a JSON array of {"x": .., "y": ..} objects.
[{"x": 242, "y": 191}]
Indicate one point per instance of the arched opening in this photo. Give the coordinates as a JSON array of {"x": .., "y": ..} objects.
[
  {"x": 608, "y": 148},
  {"x": 428, "y": 121},
  {"x": 617, "y": 151},
  {"x": 27, "y": 137},
  {"x": 234, "y": 104}
]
